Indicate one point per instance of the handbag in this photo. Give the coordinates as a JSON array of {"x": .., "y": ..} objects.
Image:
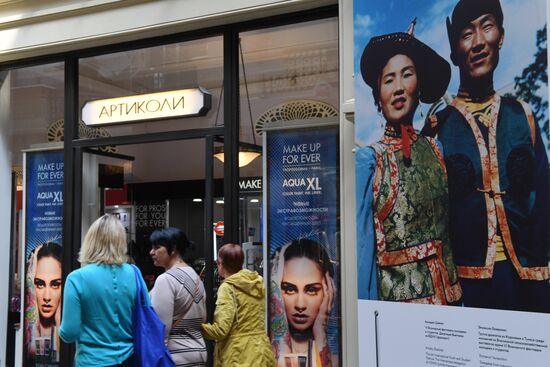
[{"x": 149, "y": 347}]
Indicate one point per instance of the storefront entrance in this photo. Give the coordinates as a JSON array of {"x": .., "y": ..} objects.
[
  {"x": 180, "y": 171},
  {"x": 151, "y": 186}
]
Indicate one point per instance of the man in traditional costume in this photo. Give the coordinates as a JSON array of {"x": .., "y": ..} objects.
[{"x": 498, "y": 173}]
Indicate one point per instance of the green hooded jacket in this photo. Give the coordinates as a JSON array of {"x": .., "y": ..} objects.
[{"x": 239, "y": 323}]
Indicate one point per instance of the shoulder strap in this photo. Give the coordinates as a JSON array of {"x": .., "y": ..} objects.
[
  {"x": 530, "y": 119},
  {"x": 182, "y": 315},
  {"x": 434, "y": 121},
  {"x": 139, "y": 289},
  {"x": 437, "y": 152}
]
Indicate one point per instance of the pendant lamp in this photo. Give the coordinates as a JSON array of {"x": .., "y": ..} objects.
[{"x": 247, "y": 152}]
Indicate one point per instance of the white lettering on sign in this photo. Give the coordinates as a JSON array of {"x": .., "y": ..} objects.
[
  {"x": 251, "y": 184},
  {"x": 311, "y": 183},
  {"x": 302, "y": 153}
]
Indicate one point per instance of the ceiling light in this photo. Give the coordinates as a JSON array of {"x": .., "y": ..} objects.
[
  {"x": 254, "y": 200},
  {"x": 197, "y": 200},
  {"x": 219, "y": 201},
  {"x": 246, "y": 154}
]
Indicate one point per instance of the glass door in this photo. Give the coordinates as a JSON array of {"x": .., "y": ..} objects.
[{"x": 151, "y": 186}]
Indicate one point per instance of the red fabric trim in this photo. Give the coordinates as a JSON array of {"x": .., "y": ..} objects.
[{"x": 486, "y": 174}]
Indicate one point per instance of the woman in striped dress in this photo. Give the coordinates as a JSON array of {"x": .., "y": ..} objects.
[{"x": 178, "y": 297}]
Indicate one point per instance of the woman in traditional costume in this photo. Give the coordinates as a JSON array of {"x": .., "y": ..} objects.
[{"x": 404, "y": 252}]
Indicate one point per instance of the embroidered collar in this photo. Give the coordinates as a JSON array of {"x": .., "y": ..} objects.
[
  {"x": 392, "y": 135},
  {"x": 469, "y": 97}
]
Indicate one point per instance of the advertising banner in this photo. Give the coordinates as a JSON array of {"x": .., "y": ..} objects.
[
  {"x": 43, "y": 241},
  {"x": 150, "y": 216},
  {"x": 452, "y": 174},
  {"x": 302, "y": 228}
]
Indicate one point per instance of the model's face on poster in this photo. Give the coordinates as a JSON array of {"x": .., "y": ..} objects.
[
  {"x": 47, "y": 281},
  {"x": 398, "y": 89},
  {"x": 302, "y": 286},
  {"x": 477, "y": 51}
]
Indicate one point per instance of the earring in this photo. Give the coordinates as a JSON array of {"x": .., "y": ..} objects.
[
  {"x": 379, "y": 111},
  {"x": 382, "y": 120}
]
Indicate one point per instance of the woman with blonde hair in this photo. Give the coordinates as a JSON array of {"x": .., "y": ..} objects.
[{"x": 99, "y": 298}]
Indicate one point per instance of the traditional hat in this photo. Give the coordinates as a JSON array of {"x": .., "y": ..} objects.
[
  {"x": 467, "y": 10},
  {"x": 433, "y": 71}
]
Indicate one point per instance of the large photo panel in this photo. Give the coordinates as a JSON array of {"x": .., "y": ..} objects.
[
  {"x": 452, "y": 153},
  {"x": 452, "y": 176}
]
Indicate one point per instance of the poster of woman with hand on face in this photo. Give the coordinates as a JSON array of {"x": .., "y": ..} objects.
[
  {"x": 43, "y": 212},
  {"x": 43, "y": 300},
  {"x": 302, "y": 274}
]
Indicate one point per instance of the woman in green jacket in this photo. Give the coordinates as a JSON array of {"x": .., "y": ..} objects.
[{"x": 239, "y": 319}]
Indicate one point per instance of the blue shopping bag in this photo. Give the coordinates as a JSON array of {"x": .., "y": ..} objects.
[{"x": 149, "y": 347}]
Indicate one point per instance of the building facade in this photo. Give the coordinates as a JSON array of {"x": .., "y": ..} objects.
[{"x": 259, "y": 64}]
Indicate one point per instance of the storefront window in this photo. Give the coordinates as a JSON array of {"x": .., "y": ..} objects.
[
  {"x": 31, "y": 117},
  {"x": 287, "y": 73},
  {"x": 150, "y": 187},
  {"x": 145, "y": 72},
  {"x": 289, "y": 107}
]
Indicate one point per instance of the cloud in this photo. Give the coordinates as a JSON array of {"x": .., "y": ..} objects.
[
  {"x": 364, "y": 24},
  {"x": 521, "y": 22},
  {"x": 363, "y": 27},
  {"x": 432, "y": 30},
  {"x": 368, "y": 122},
  {"x": 441, "y": 8}
]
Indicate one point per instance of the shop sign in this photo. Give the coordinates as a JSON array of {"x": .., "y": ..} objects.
[
  {"x": 146, "y": 107},
  {"x": 250, "y": 184}
]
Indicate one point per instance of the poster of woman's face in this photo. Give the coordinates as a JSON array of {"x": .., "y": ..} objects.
[
  {"x": 42, "y": 305},
  {"x": 303, "y": 292},
  {"x": 302, "y": 277},
  {"x": 489, "y": 132}
]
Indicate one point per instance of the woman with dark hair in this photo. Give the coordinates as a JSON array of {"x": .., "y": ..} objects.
[
  {"x": 302, "y": 278},
  {"x": 178, "y": 297},
  {"x": 403, "y": 247},
  {"x": 44, "y": 293},
  {"x": 239, "y": 320}
]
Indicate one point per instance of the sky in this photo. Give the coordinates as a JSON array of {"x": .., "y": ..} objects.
[{"x": 374, "y": 17}]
